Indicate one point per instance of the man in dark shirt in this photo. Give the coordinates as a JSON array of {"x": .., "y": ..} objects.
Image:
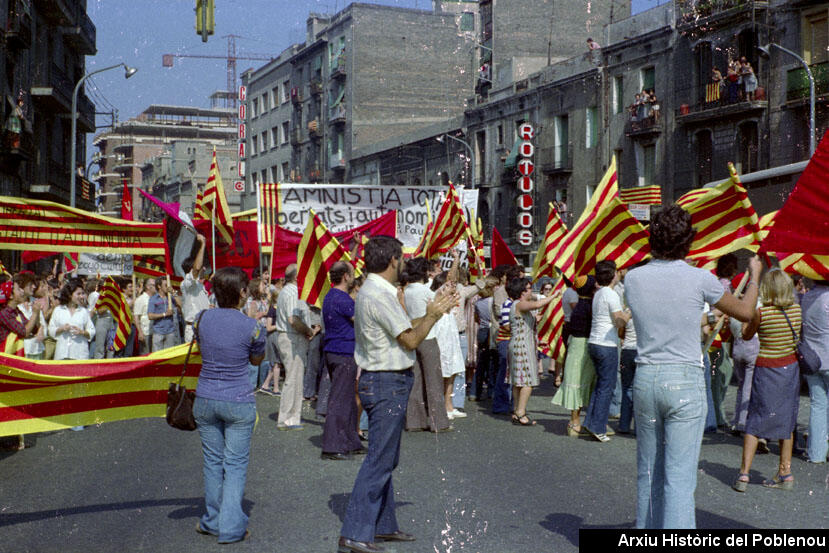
[{"x": 339, "y": 435}]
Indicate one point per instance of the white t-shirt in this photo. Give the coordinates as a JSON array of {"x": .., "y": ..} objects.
[{"x": 603, "y": 331}]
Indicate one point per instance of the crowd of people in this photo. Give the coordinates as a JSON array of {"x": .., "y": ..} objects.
[{"x": 407, "y": 346}]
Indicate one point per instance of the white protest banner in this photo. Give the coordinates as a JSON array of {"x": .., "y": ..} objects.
[
  {"x": 345, "y": 206},
  {"x": 104, "y": 264}
]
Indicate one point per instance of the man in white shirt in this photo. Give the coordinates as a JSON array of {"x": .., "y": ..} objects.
[
  {"x": 385, "y": 340},
  {"x": 193, "y": 295},
  {"x": 603, "y": 346},
  {"x": 294, "y": 332},
  {"x": 139, "y": 311}
]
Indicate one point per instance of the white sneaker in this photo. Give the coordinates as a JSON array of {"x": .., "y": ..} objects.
[{"x": 455, "y": 414}]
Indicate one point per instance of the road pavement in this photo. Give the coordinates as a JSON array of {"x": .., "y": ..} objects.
[{"x": 486, "y": 487}]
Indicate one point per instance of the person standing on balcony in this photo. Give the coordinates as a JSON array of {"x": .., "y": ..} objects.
[
  {"x": 14, "y": 124},
  {"x": 749, "y": 79}
]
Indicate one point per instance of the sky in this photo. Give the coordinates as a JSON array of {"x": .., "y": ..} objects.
[{"x": 139, "y": 32}]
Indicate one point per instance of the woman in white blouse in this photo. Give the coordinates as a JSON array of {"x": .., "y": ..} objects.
[{"x": 71, "y": 325}]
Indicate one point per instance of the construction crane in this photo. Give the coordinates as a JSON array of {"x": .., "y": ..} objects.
[{"x": 230, "y": 101}]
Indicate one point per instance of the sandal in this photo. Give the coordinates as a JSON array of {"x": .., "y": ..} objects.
[
  {"x": 572, "y": 431},
  {"x": 519, "y": 420},
  {"x": 780, "y": 482},
  {"x": 741, "y": 483},
  {"x": 557, "y": 382}
]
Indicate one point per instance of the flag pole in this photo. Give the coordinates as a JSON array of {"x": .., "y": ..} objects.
[
  {"x": 213, "y": 232},
  {"x": 259, "y": 227}
]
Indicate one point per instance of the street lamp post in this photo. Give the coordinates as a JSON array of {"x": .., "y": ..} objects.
[
  {"x": 128, "y": 72},
  {"x": 812, "y": 129},
  {"x": 471, "y": 154}
]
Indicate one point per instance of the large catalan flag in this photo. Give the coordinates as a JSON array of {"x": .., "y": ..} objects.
[
  {"x": 543, "y": 265},
  {"x": 215, "y": 202},
  {"x": 39, "y": 396},
  {"x": 645, "y": 195},
  {"x": 724, "y": 219},
  {"x": 112, "y": 298},
  {"x": 153, "y": 266},
  {"x": 606, "y": 229},
  {"x": 43, "y": 226},
  {"x": 318, "y": 251},
  {"x": 450, "y": 226}
]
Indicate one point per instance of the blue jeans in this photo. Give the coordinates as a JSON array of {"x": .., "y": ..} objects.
[
  {"x": 502, "y": 394},
  {"x": 606, "y": 361},
  {"x": 710, "y": 417},
  {"x": 225, "y": 428},
  {"x": 669, "y": 407},
  {"x": 626, "y": 373},
  {"x": 459, "y": 385},
  {"x": 818, "y": 386},
  {"x": 370, "y": 511}
]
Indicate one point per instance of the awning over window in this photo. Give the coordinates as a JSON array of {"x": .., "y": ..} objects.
[{"x": 512, "y": 158}]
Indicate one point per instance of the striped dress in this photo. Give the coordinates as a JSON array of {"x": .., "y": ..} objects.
[{"x": 772, "y": 410}]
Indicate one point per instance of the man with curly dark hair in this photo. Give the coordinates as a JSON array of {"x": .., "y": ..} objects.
[{"x": 667, "y": 298}]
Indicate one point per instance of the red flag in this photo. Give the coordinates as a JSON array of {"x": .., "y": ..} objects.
[
  {"x": 802, "y": 224},
  {"x": 500, "y": 253},
  {"x": 126, "y": 203}
]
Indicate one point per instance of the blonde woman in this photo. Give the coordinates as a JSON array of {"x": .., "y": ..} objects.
[{"x": 772, "y": 409}]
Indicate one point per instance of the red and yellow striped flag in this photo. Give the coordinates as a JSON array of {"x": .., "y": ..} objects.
[
  {"x": 3, "y": 270},
  {"x": 112, "y": 298},
  {"x": 811, "y": 266},
  {"x": 645, "y": 195},
  {"x": 450, "y": 226},
  {"x": 13, "y": 345},
  {"x": 215, "y": 202},
  {"x": 724, "y": 219},
  {"x": 269, "y": 208},
  {"x": 606, "y": 229},
  {"x": 39, "y": 396},
  {"x": 318, "y": 251},
  {"x": 475, "y": 250},
  {"x": 550, "y": 325},
  {"x": 199, "y": 211},
  {"x": 543, "y": 265},
  {"x": 153, "y": 266}
]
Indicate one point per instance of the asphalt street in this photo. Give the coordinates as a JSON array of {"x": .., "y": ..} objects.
[{"x": 487, "y": 487}]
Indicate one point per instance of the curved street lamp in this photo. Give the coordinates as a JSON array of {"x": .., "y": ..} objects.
[
  {"x": 128, "y": 72},
  {"x": 812, "y": 129}
]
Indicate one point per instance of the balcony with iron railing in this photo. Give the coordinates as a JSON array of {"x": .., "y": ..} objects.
[
  {"x": 315, "y": 86},
  {"x": 296, "y": 96},
  {"x": 336, "y": 161},
  {"x": 81, "y": 33},
  {"x": 338, "y": 66},
  {"x": 644, "y": 124},
  {"x": 57, "y": 12},
  {"x": 19, "y": 25},
  {"x": 337, "y": 114},
  {"x": 715, "y": 101},
  {"x": 556, "y": 158},
  {"x": 797, "y": 82},
  {"x": 707, "y": 15},
  {"x": 52, "y": 87},
  {"x": 314, "y": 130},
  {"x": 86, "y": 113},
  {"x": 16, "y": 148}
]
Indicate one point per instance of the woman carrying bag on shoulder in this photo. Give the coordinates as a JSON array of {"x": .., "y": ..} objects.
[{"x": 225, "y": 408}]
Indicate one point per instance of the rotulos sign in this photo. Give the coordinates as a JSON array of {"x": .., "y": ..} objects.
[{"x": 525, "y": 165}]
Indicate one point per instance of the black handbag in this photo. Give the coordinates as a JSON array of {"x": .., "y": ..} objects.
[
  {"x": 179, "y": 398},
  {"x": 808, "y": 360}
]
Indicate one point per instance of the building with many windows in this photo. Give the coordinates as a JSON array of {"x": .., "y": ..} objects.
[
  {"x": 44, "y": 45},
  {"x": 166, "y": 150}
]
